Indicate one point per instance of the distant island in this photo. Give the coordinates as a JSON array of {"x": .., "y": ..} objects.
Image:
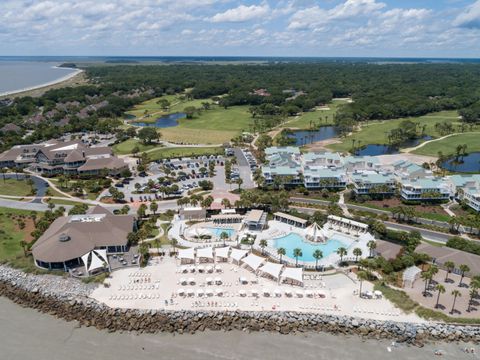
[
  {"x": 68, "y": 65},
  {"x": 121, "y": 61}
]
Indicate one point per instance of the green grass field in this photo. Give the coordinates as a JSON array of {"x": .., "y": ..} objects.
[
  {"x": 448, "y": 145},
  {"x": 318, "y": 117},
  {"x": 14, "y": 187},
  {"x": 376, "y": 132},
  {"x": 167, "y": 153},
  {"x": 127, "y": 146},
  {"x": 151, "y": 106}
]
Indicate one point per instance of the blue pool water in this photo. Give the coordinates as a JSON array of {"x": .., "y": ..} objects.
[
  {"x": 218, "y": 231},
  {"x": 293, "y": 241}
]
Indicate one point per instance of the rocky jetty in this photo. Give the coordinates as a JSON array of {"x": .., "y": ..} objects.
[{"x": 68, "y": 299}]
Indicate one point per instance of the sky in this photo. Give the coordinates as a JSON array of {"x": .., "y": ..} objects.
[{"x": 352, "y": 28}]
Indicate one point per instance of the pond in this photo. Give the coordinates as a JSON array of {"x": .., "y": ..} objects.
[
  {"x": 468, "y": 163},
  {"x": 304, "y": 137},
  {"x": 164, "y": 121},
  {"x": 377, "y": 149}
]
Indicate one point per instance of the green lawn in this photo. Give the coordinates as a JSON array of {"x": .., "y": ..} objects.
[
  {"x": 448, "y": 145},
  {"x": 151, "y": 106},
  {"x": 375, "y": 132},
  {"x": 167, "y": 153},
  {"x": 65, "y": 202},
  {"x": 15, "y": 187},
  {"x": 318, "y": 117},
  {"x": 127, "y": 146}
]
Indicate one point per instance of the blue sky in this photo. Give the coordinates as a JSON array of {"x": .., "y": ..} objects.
[{"x": 423, "y": 28}]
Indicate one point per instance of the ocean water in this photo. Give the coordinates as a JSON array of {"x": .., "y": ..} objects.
[{"x": 18, "y": 75}]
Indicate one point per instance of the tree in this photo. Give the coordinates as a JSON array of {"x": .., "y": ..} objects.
[
  {"x": 239, "y": 183},
  {"x": 426, "y": 276},
  {"x": 226, "y": 203},
  {"x": 372, "y": 245},
  {"x": 153, "y": 207},
  {"x": 455, "y": 294},
  {"x": 440, "y": 290},
  {"x": 361, "y": 276},
  {"x": 141, "y": 211},
  {"x": 224, "y": 236},
  {"x": 341, "y": 251},
  {"x": 449, "y": 265},
  {"x": 132, "y": 238},
  {"x": 281, "y": 252},
  {"x": 148, "y": 134},
  {"x": 464, "y": 269},
  {"x": 317, "y": 255},
  {"x": 297, "y": 252},
  {"x": 263, "y": 245},
  {"x": 190, "y": 111},
  {"x": 357, "y": 252},
  {"x": 23, "y": 244},
  {"x": 473, "y": 294}
]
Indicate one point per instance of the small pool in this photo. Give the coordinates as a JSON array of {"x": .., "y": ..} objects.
[
  {"x": 292, "y": 241},
  {"x": 218, "y": 231}
]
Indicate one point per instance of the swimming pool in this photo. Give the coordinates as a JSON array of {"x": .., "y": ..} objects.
[
  {"x": 218, "y": 231},
  {"x": 294, "y": 241}
]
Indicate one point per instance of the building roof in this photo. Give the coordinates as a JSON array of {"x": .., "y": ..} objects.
[
  {"x": 282, "y": 149},
  {"x": 387, "y": 249},
  {"x": 372, "y": 177},
  {"x": 464, "y": 180},
  {"x": 70, "y": 237},
  {"x": 254, "y": 216},
  {"x": 290, "y": 217},
  {"x": 425, "y": 183},
  {"x": 110, "y": 163}
]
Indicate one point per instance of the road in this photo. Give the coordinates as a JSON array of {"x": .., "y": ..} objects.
[{"x": 244, "y": 169}]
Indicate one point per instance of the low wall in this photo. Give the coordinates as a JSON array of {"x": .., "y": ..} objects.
[{"x": 68, "y": 299}]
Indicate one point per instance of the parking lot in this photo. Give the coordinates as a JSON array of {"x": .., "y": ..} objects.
[{"x": 246, "y": 165}]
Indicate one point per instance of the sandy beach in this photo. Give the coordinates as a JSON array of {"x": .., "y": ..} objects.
[
  {"x": 27, "y": 334},
  {"x": 42, "y": 86}
]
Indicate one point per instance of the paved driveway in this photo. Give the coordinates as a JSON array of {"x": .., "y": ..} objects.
[{"x": 244, "y": 169}]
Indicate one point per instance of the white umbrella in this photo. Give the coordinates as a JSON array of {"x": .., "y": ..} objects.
[
  {"x": 191, "y": 268},
  {"x": 183, "y": 281},
  {"x": 209, "y": 268},
  {"x": 242, "y": 293},
  {"x": 209, "y": 280},
  {"x": 299, "y": 293},
  {"x": 218, "y": 268},
  {"x": 219, "y": 291},
  {"x": 200, "y": 292},
  {"x": 309, "y": 293},
  {"x": 218, "y": 280},
  {"x": 288, "y": 292},
  {"x": 243, "y": 280},
  {"x": 191, "y": 280},
  {"x": 190, "y": 292},
  {"x": 278, "y": 292},
  {"x": 181, "y": 291},
  {"x": 266, "y": 292},
  {"x": 209, "y": 291},
  {"x": 200, "y": 268}
]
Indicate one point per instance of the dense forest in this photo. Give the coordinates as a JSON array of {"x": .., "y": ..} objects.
[{"x": 271, "y": 90}]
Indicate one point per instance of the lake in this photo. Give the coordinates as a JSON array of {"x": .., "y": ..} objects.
[
  {"x": 468, "y": 163},
  {"x": 164, "y": 121},
  {"x": 378, "y": 149},
  {"x": 304, "y": 137},
  {"x": 20, "y": 75}
]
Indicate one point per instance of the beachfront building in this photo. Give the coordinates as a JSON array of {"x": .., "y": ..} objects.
[
  {"x": 323, "y": 178},
  {"x": 404, "y": 169},
  {"x": 322, "y": 159},
  {"x": 360, "y": 163},
  {"x": 76, "y": 240},
  {"x": 425, "y": 189},
  {"x": 467, "y": 189},
  {"x": 255, "y": 220},
  {"x": 373, "y": 183},
  {"x": 69, "y": 157}
]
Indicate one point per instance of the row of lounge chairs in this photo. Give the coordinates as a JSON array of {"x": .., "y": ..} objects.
[
  {"x": 372, "y": 312},
  {"x": 135, "y": 296},
  {"x": 139, "y": 287}
]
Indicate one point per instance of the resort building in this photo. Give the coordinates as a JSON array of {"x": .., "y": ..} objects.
[
  {"x": 373, "y": 183},
  {"x": 319, "y": 178},
  {"x": 255, "y": 220},
  {"x": 360, "y": 163},
  {"x": 70, "y": 157},
  {"x": 71, "y": 241},
  {"x": 425, "y": 189},
  {"x": 467, "y": 189},
  {"x": 193, "y": 213},
  {"x": 323, "y": 159},
  {"x": 406, "y": 169}
]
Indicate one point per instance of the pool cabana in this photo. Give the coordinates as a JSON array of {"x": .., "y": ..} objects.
[
  {"x": 253, "y": 262},
  {"x": 226, "y": 219},
  {"x": 237, "y": 255},
  {"x": 186, "y": 256},
  {"x": 221, "y": 254},
  {"x": 290, "y": 220},
  {"x": 255, "y": 220},
  {"x": 347, "y": 225},
  {"x": 293, "y": 276},
  {"x": 314, "y": 233},
  {"x": 271, "y": 270},
  {"x": 205, "y": 255}
]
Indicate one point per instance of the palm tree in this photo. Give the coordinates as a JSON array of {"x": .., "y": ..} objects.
[
  {"x": 341, "y": 252},
  {"x": 224, "y": 236},
  {"x": 23, "y": 244},
  {"x": 473, "y": 293},
  {"x": 440, "y": 290},
  {"x": 296, "y": 254},
  {"x": 449, "y": 265},
  {"x": 153, "y": 207},
  {"x": 426, "y": 276},
  {"x": 281, "y": 252},
  {"x": 174, "y": 243},
  {"x": 357, "y": 252},
  {"x": 263, "y": 244},
  {"x": 317, "y": 254},
  {"x": 372, "y": 245},
  {"x": 455, "y": 294},
  {"x": 361, "y": 276},
  {"x": 464, "y": 269}
]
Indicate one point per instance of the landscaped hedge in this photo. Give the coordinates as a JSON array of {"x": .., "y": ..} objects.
[{"x": 459, "y": 243}]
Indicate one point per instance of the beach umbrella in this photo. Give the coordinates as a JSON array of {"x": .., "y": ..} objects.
[
  {"x": 254, "y": 292},
  {"x": 209, "y": 291},
  {"x": 278, "y": 292},
  {"x": 191, "y": 281},
  {"x": 192, "y": 268},
  {"x": 183, "y": 281},
  {"x": 299, "y": 293},
  {"x": 181, "y": 291},
  {"x": 200, "y": 292},
  {"x": 184, "y": 269},
  {"x": 209, "y": 268},
  {"x": 218, "y": 280},
  {"x": 219, "y": 291},
  {"x": 242, "y": 293},
  {"x": 209, "y": 280},
  {"x": 321, "y": 293}
]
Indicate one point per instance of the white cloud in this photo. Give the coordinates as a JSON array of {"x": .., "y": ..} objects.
[
  {"x": 470, "y": 18},
  {"x": 241, "y": 13}
]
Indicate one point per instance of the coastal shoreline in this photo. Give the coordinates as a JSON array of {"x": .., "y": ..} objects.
[
  {"x": 68, "y": 299},
  {"x": 44, "y": 85}
]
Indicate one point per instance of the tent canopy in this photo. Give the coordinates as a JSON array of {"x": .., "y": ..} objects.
[
  {"x": 222, "y": 252},
  {"x": 272, "y": 269},
  {"x": 295, "y": 274},
  {"x": 238, "y": 254},
  {"x": 188, "y": 254},
  {"x": 95, "y": 259},
  {"x": 411, "y": 273},
  {"x": 254, "y": 261},
  {"x": 205, "y": 253}
]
